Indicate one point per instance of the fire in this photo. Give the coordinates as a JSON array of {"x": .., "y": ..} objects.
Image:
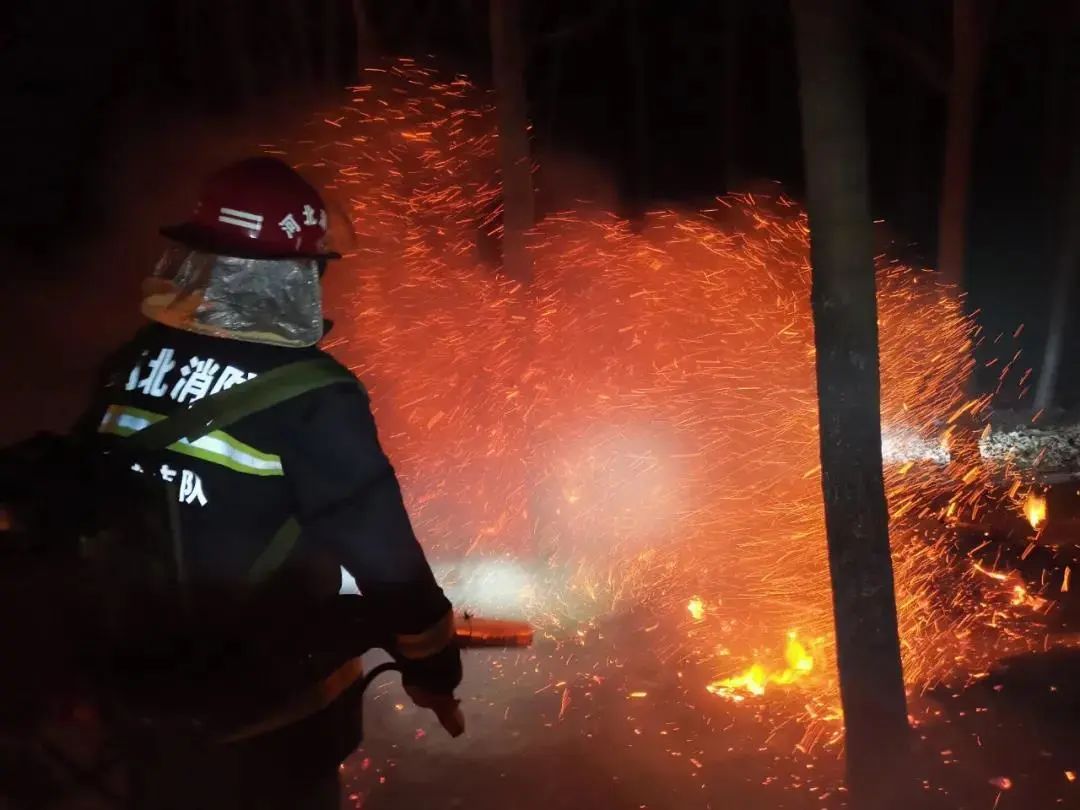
[
  {"x": 640, "y": 423},
  {"x": 1014, "y": 587},
  {"x": 696, "y": 608},
  {"x": 1035, "y": 510},
  {"x": 1020, "y": 595},
  {"x": 799, "y": 664}
]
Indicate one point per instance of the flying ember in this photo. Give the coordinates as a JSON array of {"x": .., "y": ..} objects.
[
  {"x": 1035, "y": 510},
  {"x": 637, "y": 429}
]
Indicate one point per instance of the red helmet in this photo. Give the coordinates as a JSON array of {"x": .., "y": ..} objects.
[{"x": 258, "y": 208}]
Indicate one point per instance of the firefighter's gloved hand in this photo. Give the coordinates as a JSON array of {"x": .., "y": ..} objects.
[
  {"x": 431, "y": 682},
  {"x": 446, "y": 707},
  {"x": 437, "y": 674}
]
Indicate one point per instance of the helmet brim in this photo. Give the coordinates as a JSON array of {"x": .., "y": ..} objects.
[{"x": 202, "y": 239}]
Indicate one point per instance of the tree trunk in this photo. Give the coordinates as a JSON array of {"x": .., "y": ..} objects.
[
  {"x": 1068, "y": 245},
  {"x": 185, "y": 20},
  {"x": 640, "y": 170},
  {"x": 959, "y": 129},
  {"x": 915, "y": 200},
  {"x": 845, "y": 329},
  {"x": 297, "y": 14},
  {"x": 237, "y": 44},
  {"x": 331, "y": 29},
  {"x": 733, "y": 179},
  {"x": 554, "y": 84},
  {"x": 508, "y": 66},
  {"x": 365, "y": 41}
]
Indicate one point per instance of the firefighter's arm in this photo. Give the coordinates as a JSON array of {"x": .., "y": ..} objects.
[{"x": 349, "y": 501}]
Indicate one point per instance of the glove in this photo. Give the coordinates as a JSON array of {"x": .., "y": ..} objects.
[
  {"x": 438, "y": 674},
  {"x": 430, "y": 683},
  {"x": 447, "y": 709}
]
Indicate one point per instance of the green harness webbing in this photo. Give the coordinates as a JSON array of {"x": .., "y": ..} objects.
[{"x": 227, "y": 407}]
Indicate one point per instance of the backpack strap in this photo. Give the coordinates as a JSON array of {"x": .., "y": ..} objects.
[
  {"x": 276, "y": 551},
  {"x": 230, "y": 406}
]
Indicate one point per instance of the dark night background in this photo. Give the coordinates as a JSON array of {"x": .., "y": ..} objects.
[{"x": 678, "y": 101}]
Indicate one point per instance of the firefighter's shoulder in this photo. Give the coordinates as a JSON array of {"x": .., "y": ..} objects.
[
  {"x": 346, "y": 377},
  {"x": 331, "y": 391}
]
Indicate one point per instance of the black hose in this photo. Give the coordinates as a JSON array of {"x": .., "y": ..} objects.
[{"x": 388, "y": 666}]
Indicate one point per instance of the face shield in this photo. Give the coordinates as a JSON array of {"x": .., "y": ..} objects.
[{"x": 276, "y": 301}]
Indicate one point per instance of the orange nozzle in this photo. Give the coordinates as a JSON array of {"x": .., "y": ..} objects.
[{"x": 473, "y": 632}]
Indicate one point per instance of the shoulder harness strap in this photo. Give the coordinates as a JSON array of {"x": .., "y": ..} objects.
[{"x": 228, "y": 407}]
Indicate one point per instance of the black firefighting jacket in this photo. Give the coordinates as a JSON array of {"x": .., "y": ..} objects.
[{"x": 316, "y": 458}]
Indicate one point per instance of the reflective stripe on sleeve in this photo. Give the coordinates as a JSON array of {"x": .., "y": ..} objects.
[
  {"x": 433, "y": 640},
  {"x": 216, "y": 447}
]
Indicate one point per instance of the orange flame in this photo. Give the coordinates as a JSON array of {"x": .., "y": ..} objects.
[
  {"x": 799, "y": 664},
  {"x": 1035, "y": 510},
  {"x": 696, "y": 607}
]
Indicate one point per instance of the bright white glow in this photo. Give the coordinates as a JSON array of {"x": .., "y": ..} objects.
[
  {"x": 621, "y": 482},
  {"x": 487, "y": 587},
  {"x": 901, "y": 447},
  {"x": 348, "y": 584}
]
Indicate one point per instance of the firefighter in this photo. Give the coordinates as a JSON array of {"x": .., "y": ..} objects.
[{"x": 287, "y": 496}]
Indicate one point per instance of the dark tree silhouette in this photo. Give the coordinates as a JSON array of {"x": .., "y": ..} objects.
[
  {"x": 508, "y": 69},
  {"x": 846, "y": 339}
]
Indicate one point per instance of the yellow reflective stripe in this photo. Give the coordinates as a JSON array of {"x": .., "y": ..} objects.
[
  {"x": 216, "y": 447},
  {"x": 433, "y": 640}
]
